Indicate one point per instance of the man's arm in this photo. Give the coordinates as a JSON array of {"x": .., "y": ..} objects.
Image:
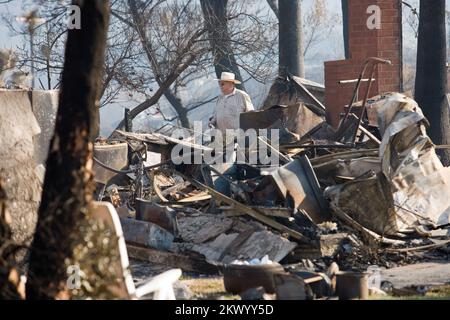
[
  {"x": 213, "y": 121},
  {"x": 248, "y": 105}
]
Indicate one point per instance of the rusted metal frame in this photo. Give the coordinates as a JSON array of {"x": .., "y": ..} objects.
[
  {"x": 375, "y": 62},
  {"x": 364, "y": 104},
  {"x": 355, "y": 93}
]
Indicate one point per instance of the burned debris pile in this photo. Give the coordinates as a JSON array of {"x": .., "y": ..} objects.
[
  {"x": 341, "y": 211},
  {"x": 371, "y": 194}
]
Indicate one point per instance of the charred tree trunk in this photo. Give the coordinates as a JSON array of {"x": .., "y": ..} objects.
[
  {"x": 179, "y": 108},
  {"x": 448, "y": 29},
  {"x": 216, "y": 20},
  {"x": 431, "y": 75},
  {"x": 68, "y": 186},
  {"x": 168, "y": 93},
  {"x": 345, "y": 21},
  {"x": 9, "y": 277},
  {"x": 291, "y": 59},
  {"x": 274, "y": 6}
]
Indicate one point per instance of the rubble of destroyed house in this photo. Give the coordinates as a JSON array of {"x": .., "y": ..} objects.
[
  {"x": 344, "y": 209},
  {"x": 347, "y": 212},
  {"x": 357, "y": 205}
]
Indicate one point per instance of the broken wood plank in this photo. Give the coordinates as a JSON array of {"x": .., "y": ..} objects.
[
  {"x": 146, "y": 234},
  {"x": 370, "y": 135},
  {"x": 268, "y": 211},
  {"x": 313, "y": 279},
  {"x": 172, "y": 260},
  {"x": 251, "y": 212},
  {"x": 199, "y": 229},
  {"x": 151, "y": 138},
  {"x": 157, "y": 189},
  {"x": 229, "y": 247},
  {"x": 198, "y": 197},
  {"x": 239, "y": 240},
  {"x": 175, "y": 188},
  {"x": 442, "y": 146},
  {"x": 211, "y": 250},
  {"x": 427, "y": 247}
]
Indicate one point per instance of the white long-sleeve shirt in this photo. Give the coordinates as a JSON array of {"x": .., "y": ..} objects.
[{"x": 228, "y": 109}]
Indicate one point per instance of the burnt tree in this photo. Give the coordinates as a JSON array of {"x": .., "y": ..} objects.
[
  {"x": 431, "y": 73},
  {"x": 69, "y": 185},
  {"x": 291, "y": 55},
  {"x": 140, "y": 26},
  {"x": 9, "y": 277},
  {"x": 216, "y": 21},
  {"x": 345, "y": 27}
]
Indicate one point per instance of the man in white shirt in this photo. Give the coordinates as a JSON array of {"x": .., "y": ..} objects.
[{"x": 229, "y": 106}]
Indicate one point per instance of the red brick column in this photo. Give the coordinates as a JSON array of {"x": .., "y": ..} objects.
[{"x": 385, "y": 43}]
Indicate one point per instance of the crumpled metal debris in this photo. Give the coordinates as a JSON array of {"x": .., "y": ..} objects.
[
  {"x": 413, "y": 186},
  {"x": 419, "y": 181},
  {"x": 387, "y": 188},
  {"x": 298, "y": 183},
  {"x": 292, "y": 121}
]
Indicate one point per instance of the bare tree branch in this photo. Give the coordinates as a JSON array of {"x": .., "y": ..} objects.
[{"x": 273, "y": 4}]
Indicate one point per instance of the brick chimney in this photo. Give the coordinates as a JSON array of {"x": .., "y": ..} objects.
[{"x": 363, "y": 42}]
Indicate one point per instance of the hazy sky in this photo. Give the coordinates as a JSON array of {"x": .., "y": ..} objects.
[
  {"x": 15, "y": 9},
  {"x": 6, "y": 41},
  {"x": 327, "y": 50}
]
